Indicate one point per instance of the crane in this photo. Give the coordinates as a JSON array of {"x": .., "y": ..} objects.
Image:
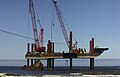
[
  {"x": 59, "y": 15},
  {"x": 38, "y": 40},
  {"x": 41, "y": 33}
]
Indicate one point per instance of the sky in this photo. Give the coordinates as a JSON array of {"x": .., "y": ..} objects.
[{"x": 86, "y": 18}]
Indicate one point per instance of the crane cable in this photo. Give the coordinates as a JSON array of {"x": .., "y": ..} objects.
[
  {"x": 38, "y": 19},
  {"x": 25, "y": 36},
  {"x": 68, "y": 27},
  {"x": 16, "y": 34}
]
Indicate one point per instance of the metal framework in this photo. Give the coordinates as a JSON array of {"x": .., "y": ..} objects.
[
  {"x": 61, "y": 22},
  {"x": 32, "y": 13}
]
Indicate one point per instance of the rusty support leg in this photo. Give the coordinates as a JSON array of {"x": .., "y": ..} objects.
[
  {"x": 35, "y": 60},
  {"x": 49, "y": 47},
  {"x": 28, "y": 47},
  {"x": 28, "y": 62},
  {"x": 70, "y": 47},
  {"x": 70, "y": 63},
  {"x": 52, "y": 60},
  {"x": 32, "y": 47},
  {"x": 48, "y": 64},
  {"x": 52, "y": 63},
  {"x": 92, "y": 46},
  {"x": 28, "y": 50},
  {"x": 91, "y": 63},
  {"x": 31, "y": 61}
]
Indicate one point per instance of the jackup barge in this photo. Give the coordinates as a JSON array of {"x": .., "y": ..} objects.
[{"x": 50, "y": 55}]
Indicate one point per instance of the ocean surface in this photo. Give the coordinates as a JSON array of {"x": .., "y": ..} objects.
[
  {"x": 80, "y": 68},
  {"x": 65, "y": 62}
]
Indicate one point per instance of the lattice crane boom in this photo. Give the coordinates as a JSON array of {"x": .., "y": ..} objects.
[
  {"x": 41, "y": 34},
  {"x": 61, "y": 22},
  {"x": 32, "y": 13}
]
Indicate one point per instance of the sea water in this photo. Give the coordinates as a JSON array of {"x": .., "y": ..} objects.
[
  {"x": 65, "y": 62},
  {"x": 105, "y": 67}
]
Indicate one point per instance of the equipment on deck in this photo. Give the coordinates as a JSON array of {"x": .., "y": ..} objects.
[{"x": 38, "y": 40}]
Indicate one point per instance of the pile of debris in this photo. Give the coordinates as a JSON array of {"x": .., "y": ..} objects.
[{"x": 36, "y": 66}]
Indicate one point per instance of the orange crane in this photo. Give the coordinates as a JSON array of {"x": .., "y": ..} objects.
[
  {"x": 38, "y": 40},
  {"x": 68, "y": 41}
]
